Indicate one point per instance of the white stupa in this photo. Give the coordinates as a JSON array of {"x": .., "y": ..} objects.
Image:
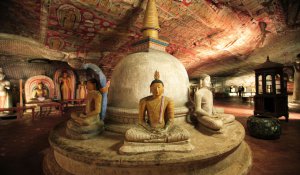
[{"x": 132, "y": 76}]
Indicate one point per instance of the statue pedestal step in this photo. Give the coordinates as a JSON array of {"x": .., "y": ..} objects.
[
  {"x": 294, "y": 106},
  {"x": 224, "y": 153},
  {"x": 136, "y": 148}
]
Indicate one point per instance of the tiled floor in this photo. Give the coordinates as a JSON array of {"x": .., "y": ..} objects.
[{"x": 23, "y": 142}]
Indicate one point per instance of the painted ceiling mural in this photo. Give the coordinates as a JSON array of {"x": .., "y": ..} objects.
[{"x": 218, "y": 37}]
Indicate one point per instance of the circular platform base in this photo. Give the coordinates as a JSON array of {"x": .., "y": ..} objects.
[
  {"x": 294, "y": 106},
  {"x": 224, "y": 153}
]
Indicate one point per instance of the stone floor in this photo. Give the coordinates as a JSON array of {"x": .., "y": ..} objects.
[
  {"x": 270, "y": 157},
  {"x": 23, "y": 143}
]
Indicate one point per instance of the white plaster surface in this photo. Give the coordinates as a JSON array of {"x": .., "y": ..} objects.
[{"x": 133, "y": 75}]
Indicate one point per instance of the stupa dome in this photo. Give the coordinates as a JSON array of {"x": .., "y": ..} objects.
[
  {"x": 131, "y": 80},
  {"x": 132, "y": 77}
]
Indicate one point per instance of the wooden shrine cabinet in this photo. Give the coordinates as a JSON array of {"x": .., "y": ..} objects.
[{"x": 271, "y": 91}]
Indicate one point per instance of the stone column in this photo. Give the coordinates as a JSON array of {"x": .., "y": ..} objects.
[{"x": 296, "y": 93}]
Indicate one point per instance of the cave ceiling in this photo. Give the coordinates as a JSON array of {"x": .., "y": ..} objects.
[{"x": 218, "y": 37}]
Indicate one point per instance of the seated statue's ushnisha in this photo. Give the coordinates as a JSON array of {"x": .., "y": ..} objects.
[
  {"x": 204, "y": 110},
  {"x": 88, "y": 124},
  {"x": 156, "y": 130}
]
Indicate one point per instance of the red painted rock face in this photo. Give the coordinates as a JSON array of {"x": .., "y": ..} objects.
[{"x": 202, "y": 34}]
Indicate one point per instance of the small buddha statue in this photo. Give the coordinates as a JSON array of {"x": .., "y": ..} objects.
[
  {"x": 4, "y": 87},
  {"x": 204, "y": 110},
  {"x": 81, "y": 91},
  {"x": 156, "y": 125},
  {"x": 87, "y": 124},
  {"x": 65, "y": 86},
  {"x": 40, "y": 93}
]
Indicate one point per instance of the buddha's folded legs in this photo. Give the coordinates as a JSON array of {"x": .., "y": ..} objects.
[
  {"x": 140, "y": 134},
  {"x": 226, "y": 118},
  {"x": 177, "y": 133},
  {"x": 137, "y": 134},
  {"x": 79, "y": 119},
  {"x": 84, "y": 129},
  {"x": 214, "y": 123}
]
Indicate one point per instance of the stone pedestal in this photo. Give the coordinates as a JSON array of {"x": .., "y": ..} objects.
[
  {"x": 78, "y": 132},
  {"x": 264, "y": 127},
  {"x": 224, "y": 153}
]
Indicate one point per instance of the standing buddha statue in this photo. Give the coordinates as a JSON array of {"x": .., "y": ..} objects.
[
  {"x": 65, "y": 86},
  {"x": 81, "y": 91}
]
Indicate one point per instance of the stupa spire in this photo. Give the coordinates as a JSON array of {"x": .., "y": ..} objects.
[
  {"x": 151, "y": 24},
  {"x": 150, "y": 40}
]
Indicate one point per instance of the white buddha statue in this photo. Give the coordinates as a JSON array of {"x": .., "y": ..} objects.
[
  {"x": 4, "y": 87},
  {"x": 204, "y": 110}
]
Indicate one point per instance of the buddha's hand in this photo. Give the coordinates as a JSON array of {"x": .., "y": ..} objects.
[
  {"x": 155, "y": 130},
  {"x": 160, "y": 131},
  {"x": 108, "y": 84},
  {"x": 146, "y": 126},
  {"x": 212, "y": 116},
  {"x": 163, "y": 131},
  {"x": 82, "y": 115}
]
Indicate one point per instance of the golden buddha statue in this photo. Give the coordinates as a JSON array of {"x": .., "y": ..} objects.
[
  {"x": 65, "y": 86},
  {"x": 40, "y": 93},
  {"x": 87, "y": 124},
  {"x": 81, "y": 91},
  {"x": 156, "y": 123}
]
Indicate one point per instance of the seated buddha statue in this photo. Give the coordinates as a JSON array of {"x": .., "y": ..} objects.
[
  {"x": 87, "y": 124},
  {"x": 40, "y": 93},
  {"x": 156, "y": 125},
  {"x": 204, "y": 110}
]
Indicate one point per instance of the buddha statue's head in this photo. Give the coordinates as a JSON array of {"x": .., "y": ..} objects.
[
  {"x": 65, "y": 74},
  {"x": 204, "y": 80},
  {"x": 156, "y": 86},
  {"x": 40, "y": 85},
  {"x": 2, "y": 76},
  {"x": 91, "y": 85}
]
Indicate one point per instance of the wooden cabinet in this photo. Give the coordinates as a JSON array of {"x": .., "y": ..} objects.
[{"x": 271, "y": 91}]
